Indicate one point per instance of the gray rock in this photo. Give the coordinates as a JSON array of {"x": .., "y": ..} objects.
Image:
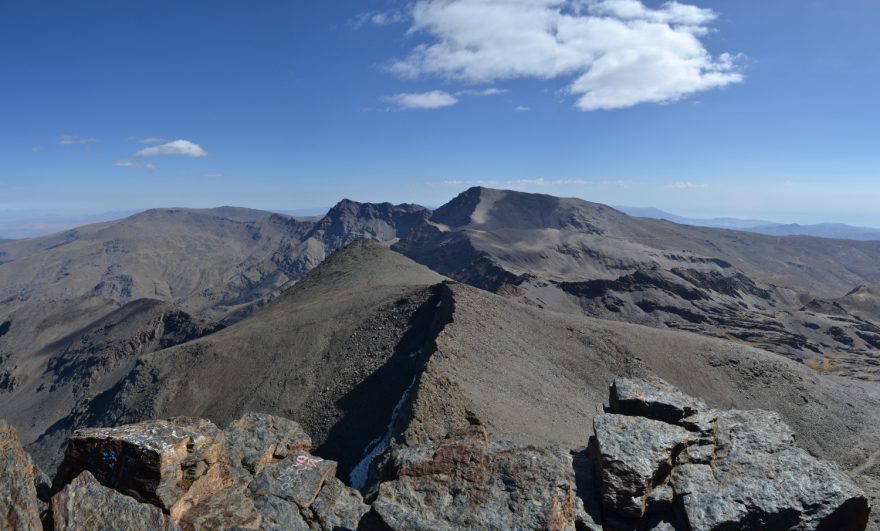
[
  {"x": 338, "y": 506},
  {"x": 256, "y": 439},
  {"x": 759, "y": 479},
  {"x": 86, "y": 504},
  {"x": 297, "y": 479},
  {"x": 652, "y": 398},
  {"x": 19, "y": 508},
  {"x": 635, "y": 454},
  {"x": 470, "y": 484},
  {"x": 279, "y": 514}
]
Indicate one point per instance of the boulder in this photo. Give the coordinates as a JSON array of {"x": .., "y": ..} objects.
[
  {"x": 725, "y": 469},
  {"x": 471, "y": 484},
  {"x": 86, "y": 504},
  {"x": 652, "y": 398},
  {"x": 154, "y": 461},
  {"x": 338, "y": 506},
  {"x": 19, "y": 508},
  {"x": 759, "y": 479},
  {"x": 635, "y": 455},
  {"x": 256, "y": 439}
]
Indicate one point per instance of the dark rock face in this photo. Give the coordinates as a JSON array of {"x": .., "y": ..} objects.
[
  {"x": 86, "y": 504},
  {"x": 473, "y": 484},
  {"x": 705, "y": 469},
  {"x": 18, "y": 496}
]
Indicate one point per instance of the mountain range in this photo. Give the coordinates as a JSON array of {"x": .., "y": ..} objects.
[
  {"x": 379, "y": 326},
  {"x": 821, "y": 230}
]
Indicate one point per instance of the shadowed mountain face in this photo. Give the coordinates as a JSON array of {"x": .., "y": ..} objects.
[
  {"x": 212, "y": 263},
  {"x": 574, "y": 256}
]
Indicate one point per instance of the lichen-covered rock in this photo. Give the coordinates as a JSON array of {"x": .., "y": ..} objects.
[
  {"x": 470, "y": 484},
  {"x": 256, "y": 439},
  {"x": 297, "y": 479},
  {"x": 652, "y": 398},
  {"x": 18, "y": 496},
  {"x": 155, "y": 461},
  {"x": 635, "y": 455},
  {"x": 86, "y": 504},
  {"x": 758, "y": 479},
  {"x": 338, "y": 506}
]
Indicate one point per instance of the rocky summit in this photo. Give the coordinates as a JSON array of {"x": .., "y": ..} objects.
[{"x": 656, "y": 459}]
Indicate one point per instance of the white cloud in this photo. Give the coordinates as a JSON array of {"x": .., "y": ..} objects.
[
  {"x": 378, "y": 18},
  {"x": 484, "y": 92},
  {"x": 37, "y": 149},
  {"x": 435, "y": 99},
  {"x": 177, "y": 147},
  {"x": 128, "y": 163},
  {"x": 212, "y": 174},
  {"x": 522, "y": 108},
  {"x": 69, "y": 140},
  {"x": 617, "y": 53}
]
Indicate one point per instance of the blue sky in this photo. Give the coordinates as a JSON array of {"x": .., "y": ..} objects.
[{"x": 747, "y": 108}]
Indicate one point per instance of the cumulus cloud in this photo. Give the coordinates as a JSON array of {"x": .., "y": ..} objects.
[
  {"x": 70, "y": 140},
  {"x": 521, "y": 108},
  {"x": 129, "y": 163},
  {"x": 176, "y": 147},
  {"x": 617, "y": 53},
  {"x": 435, "y": 99}
]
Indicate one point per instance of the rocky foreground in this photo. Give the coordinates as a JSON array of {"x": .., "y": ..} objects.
[{"x": 657, "y": 459}]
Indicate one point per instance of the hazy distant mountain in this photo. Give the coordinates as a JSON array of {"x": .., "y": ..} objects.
[
  {"x": 212, "y": 263},
  {"x": 821, "y": 230}
]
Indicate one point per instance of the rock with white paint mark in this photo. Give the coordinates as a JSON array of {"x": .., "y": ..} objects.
[
  {"x": 154, "y": 461},
  {"x": 256, "y": 439},
  {"x": 297, "y": 479}
]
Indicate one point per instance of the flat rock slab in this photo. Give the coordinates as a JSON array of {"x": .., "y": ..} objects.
[
  {"x": 18, "y": 495},
  {"x": 297, "y": 479},
  {"x": 652, "y": 398},
  {"x": 156, "y": 461},
  {"x": 256, "y": 439},
  {"x": 86, "y": 504},
  {"x": 474, "y": 485},
  {"x": 758, "y": 479},
  {"x": 635, "y": 455}
]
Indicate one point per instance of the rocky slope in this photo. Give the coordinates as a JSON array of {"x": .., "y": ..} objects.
[
  {"x": 374, "y": 352},
  {"x": 657, "y": 459},
  {"x": 573, "y": 256}
]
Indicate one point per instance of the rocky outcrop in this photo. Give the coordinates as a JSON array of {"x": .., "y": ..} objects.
[
  {"x": 657, "y": 460},
  {"x": 18, "y": 495},
  {"x": 706, "y": 469}
]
